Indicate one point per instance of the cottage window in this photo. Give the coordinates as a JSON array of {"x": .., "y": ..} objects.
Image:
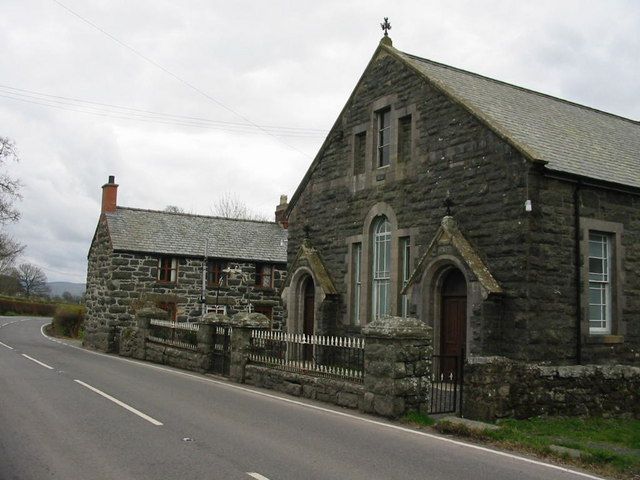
[
  {"x": 405, "y": 268},
  {"x": 384, "y": 137},
  {"x": 381, "y": 267},
  {"x": 167, "y": 269},
  {"x": 356, "y": 256},
  {"x": 264, "y": 275},
  {"x": 215, "y": 273},
  {"x": 600, "y": 299}
]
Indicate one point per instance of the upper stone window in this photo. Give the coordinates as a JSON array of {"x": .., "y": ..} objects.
[
  {"x": 384, "y": 137},
  {"x": 264, "y": 275},
  {"x": 167, "y": 269},
  {"x": 215, "y": 274}
]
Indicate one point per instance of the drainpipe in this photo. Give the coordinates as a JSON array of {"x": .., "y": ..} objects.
[{"x": 576, "y": 221}]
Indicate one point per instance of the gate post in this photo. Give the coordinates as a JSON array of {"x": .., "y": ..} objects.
[
  {"x": 397, "y": 366},
  {"x": 243, "y": 323},
  {"x": 133, "y": 340}
]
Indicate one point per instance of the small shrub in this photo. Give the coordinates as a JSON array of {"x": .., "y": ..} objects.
[{"x": 68, "y": 321}]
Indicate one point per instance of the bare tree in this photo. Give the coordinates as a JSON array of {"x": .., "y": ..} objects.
[
  {"x": 32, "y": 280},
  {"x": 230, "y": 206},
  {"x": 174, "y": 209},
  {"x": 9, "y": 193},
  {"x": 9, "y": 186}
]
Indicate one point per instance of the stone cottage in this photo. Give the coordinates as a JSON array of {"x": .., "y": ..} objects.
[
  {"x": 185, "y": 264},
  {"x": 507, "y": 219}
]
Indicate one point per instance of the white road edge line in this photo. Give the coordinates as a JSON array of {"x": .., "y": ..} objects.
[
  {"x": 118, "y": 402},
  {"x": 257, "y": 476},
  {"x": 5, "y": 345},
  {"x": 37, "y": 361},
  {"x": 335, "y": 412}
]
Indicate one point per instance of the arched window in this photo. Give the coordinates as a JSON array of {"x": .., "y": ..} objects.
[{"x": 381, "y": 287}]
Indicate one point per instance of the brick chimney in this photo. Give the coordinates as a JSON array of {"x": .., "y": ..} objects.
[
  {"x": 281, "y": 211},
  {"x": 109, "y": 195}
]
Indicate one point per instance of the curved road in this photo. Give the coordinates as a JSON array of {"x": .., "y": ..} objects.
[{"x": 67, "y": 413}]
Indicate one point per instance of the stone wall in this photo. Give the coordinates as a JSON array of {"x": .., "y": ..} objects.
[
  {"x": 336, "y": 392},
  {"x": 119, "y": 283},
  {"x": 495, "y": 387}
]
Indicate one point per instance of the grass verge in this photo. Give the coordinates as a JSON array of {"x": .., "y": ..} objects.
[{"x": 605, "y": 445}]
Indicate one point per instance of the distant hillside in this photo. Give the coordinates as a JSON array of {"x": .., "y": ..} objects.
[{"x": 58, "y": 288}]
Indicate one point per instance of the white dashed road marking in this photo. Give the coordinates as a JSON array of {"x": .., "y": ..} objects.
[
  {"x": 257, "y": 476},
  {"x": 118, "y": 402},
  {"x": 37, "y": 361}
]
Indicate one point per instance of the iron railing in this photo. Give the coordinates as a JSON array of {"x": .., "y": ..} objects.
[
  {"x": 317, "y": 355},
  {"x": 446, "y": 383}
]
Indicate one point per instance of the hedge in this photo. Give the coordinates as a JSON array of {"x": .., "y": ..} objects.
[{"x": 19, "y": 306}]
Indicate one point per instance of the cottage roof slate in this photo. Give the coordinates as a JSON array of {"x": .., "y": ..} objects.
[
  {"x": 152, "y": 231},
  {"x": 569, "y": 137}
]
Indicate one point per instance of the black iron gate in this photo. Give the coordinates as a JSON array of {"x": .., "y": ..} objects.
[
  {"x": 446, "y": 383},
  {"x": 221, "y": 355}
]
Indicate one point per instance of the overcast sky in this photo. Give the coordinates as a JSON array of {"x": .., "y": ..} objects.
[{"x": 209, "y": 77}]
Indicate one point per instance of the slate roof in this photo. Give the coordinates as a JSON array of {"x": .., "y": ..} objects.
[
  {"x": 150, "y": 231},
  {"x": 572, "y": 138}
]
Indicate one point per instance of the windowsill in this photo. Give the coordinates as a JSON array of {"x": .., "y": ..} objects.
[{"x": 605, "y": 339}]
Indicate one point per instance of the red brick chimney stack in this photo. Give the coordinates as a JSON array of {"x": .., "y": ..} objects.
[
  {"x": 109, "y": 195},
  {"x": 281, "y": 211}
]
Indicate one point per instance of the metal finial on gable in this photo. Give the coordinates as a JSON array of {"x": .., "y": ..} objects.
[{"x": 386, "y": 26}]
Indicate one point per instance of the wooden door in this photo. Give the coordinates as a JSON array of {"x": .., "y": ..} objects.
[
  {"x": 453, "y": 324},
  {"x": 308, "y": 315}
]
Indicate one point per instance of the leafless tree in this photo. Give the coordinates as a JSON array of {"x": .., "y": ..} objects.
[
  {"x": 32, "y": 280},
  {"x": 173, "y": 209},
  {"x": 9, "y": 186},
  {"x": 230, "y": 206},
  {"x": 9, "y": 193}
]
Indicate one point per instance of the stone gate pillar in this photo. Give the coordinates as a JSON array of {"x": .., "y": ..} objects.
[
  {"x": 243, "y": 323},
  {"x": 397, "y": 366}
]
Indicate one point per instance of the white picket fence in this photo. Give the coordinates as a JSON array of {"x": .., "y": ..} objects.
[
  {"x": 192, "y": 327},
  {"x": 319, "y": 355},
  {"x": 173, "y": 326}
]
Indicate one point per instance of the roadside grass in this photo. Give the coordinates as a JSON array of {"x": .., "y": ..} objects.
[
  {"x": 606, "y": 445},
  {"x": 417, "y": 418}
]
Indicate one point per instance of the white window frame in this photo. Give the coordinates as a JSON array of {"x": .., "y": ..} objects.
[
  {"x": 356, "y": 255},
  {"x": 382, "y": 131},
  {"x": 405, "y": 269},
  {"x": 381, "y": 268},
  {"x": 600, "y": 313}
]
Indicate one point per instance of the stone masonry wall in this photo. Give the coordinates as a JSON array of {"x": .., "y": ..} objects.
[
  {"x": 495, "y": 387},
  {"x": 336, "y": 392},
  {"x": 454, "y": 156},
  {"x": 119, "y": 283}
]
